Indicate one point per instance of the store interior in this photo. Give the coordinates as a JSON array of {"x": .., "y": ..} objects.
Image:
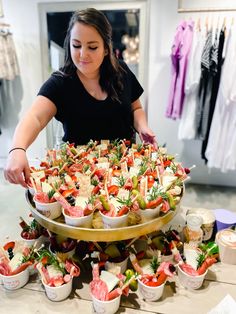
[{"x": 150, "y": 26}]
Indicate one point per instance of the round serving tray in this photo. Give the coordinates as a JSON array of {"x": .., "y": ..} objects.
[{"x": 101, "y": 235}]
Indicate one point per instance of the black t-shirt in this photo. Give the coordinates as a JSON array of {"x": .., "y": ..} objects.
[{"x": 84, "y": 117}]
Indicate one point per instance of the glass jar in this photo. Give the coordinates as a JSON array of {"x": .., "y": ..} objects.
[{"x": 193, "y": 232}]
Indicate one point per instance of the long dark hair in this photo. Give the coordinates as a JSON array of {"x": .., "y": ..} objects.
[{"x": 110, "y": 70}]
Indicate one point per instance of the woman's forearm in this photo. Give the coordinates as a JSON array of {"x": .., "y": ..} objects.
[{"x": 140, "y": 120}]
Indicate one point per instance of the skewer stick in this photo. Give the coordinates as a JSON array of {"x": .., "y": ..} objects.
[
  {"x": 158, "y": 175},
  {"x": 98, "y": 246},
  {"x": 33, "y": 184},
  {"x": 131, "y": 242}
]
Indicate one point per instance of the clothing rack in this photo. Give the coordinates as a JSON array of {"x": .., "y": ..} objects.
[
  {"x": 204, "y": 6},
  {"x": 193, "y": 10}
]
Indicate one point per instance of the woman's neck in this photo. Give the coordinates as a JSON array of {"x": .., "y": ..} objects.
[{"x": 90, "y": 77}]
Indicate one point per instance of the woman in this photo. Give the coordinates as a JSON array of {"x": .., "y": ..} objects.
[{"x": 94, "y": 95}]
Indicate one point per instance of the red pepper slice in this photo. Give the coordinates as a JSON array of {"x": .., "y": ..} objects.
[
  {"x": 9, "y": 245},
  {"x": 154, "y": 203},
  {"x": 113, "y": 189}
]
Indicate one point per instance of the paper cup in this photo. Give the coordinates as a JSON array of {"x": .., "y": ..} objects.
[
  {"x": 30, "y": 242},
  {"x": 150, "y": 293},
  {"x": 50, "y": 210},
  {"x": 114, "y": 222},
  {"x": 16, "y": 281},
  {"x": 106, "y": 307},
  {"x": 190, "y": 282},
  {"x": 83, "y": 222},
  {"x": 58, "y": 293},
  {"x": 149, "y": 213},
  {"x": 226, "y": 240}
]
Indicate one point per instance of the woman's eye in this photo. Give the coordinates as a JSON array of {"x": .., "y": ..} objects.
[
  {"x": 76, "y": 46},
  {"x": 93, "y": 48}
]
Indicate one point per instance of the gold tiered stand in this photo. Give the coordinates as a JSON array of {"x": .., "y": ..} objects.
[{"x": 102, "y": 235}]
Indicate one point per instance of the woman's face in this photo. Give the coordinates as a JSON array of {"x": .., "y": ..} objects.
[{"x": 87, "y": 49}]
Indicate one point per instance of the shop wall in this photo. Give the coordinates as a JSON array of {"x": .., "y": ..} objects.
[{"x": 24, "y": 19}]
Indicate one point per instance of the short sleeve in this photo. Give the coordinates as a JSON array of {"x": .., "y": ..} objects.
[
  {"x": 136, "y": 89},
  {"x": 52, "y": 89}
]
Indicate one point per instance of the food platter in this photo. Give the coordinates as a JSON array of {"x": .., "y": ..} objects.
[{"x": 103, "y": 235}]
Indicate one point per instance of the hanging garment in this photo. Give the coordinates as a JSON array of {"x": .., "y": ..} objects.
[
  {"x": 220, "y": 148},
  {"x": 183, "y": 64},
  {"x": 215, "y": 87},
  {"x": 175, "y": 57},
  {"x": 9, "y": 68},
  {"x": 204, "y": 86},
  {"x": 187, "y": 125},
  {"x": 175, "y": 105}
]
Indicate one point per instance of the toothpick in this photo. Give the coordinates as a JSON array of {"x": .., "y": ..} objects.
[
  {"x": 98, "y": 246},
  {"x": 33, "y": 184},
  {"x": 131, "y": 242}
]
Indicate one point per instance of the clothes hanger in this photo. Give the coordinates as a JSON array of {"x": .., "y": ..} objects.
[
  {"x": 199, "y": 24},
  {"x": 206, "y": 24}
]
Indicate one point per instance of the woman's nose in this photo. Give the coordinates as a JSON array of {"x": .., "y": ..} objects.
[{"x": 83, "y": 52}]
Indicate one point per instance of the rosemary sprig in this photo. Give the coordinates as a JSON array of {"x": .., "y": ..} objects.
[
  {"x": 47, "y": 258},
  {"x": 143, "y": 168},
  {"x": 121, "y": 181},
  {"x": 154, "y": 264},
  {"x": 127, "y": 202},
  {"x": 50, "y": 194}
]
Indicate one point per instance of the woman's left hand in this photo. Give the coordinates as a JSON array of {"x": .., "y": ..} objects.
[{"x": 147, "y": 136}]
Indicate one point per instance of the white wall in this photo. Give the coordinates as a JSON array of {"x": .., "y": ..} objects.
[{"x": 24, "y": 19}]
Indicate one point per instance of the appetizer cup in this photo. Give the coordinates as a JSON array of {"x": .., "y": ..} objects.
[
  {"x": 58, "y": 293},
  {"x": 106, "y": 307},
  {"x": 190, "y": 282},
  {"x": 50, "y": 210},
  {"x": 150, "y": 293},
  {"x": 30, "y": 242},
  {"x": 83, "y": 222},
  {"x": 16, "y": 281},
  {"x": 149, "y": 213},
  {"x": 114, "y": 222}
]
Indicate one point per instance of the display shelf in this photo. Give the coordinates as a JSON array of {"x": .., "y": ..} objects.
[{"x": 103, "y": 235}]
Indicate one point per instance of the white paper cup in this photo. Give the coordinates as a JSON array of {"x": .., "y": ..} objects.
[
  {"x": 83, "y": 222},
  {"x": 149, "y": 213},
  {"x": 58, "y": 293},
  {"x": 30, "y": 242},
  {"x": 16, "y": 281},
  {"x": 226, "y": 240},
  {"x": 190, "y": 282},
  {"x": 114, "y": 222},
  {"x": 150, "y": 293},
  {"x": 50, "y": 210},
  {"x": 106, "y": 307}
]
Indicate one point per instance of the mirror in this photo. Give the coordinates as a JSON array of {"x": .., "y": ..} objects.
[{"x": 128, "y": 20}]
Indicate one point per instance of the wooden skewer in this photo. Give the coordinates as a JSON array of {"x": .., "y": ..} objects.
[{"x": 98, "y": 246}]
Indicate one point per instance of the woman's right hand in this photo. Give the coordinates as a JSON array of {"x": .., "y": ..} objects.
[{"x": 17, "y": 169}]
